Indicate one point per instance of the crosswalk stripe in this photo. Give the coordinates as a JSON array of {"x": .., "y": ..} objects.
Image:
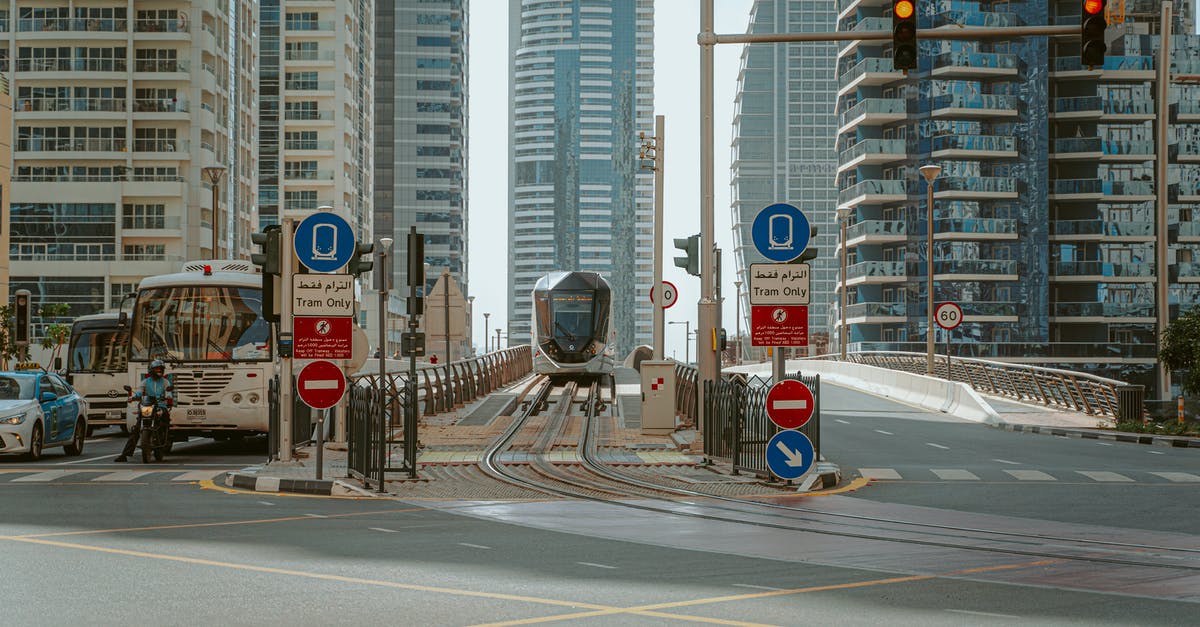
[
  {"x": 1178, "y": 477},
  {"x": 49, "y": 475},
  {"x": 878, "y": 473},
  {"x": 123, "y": 475},
  {"x": 199, "y": 475},
  {"x": 1105, "y": 476},
  {"x": 1030, "y": 475},
  {"x": 953, "y": 474}
]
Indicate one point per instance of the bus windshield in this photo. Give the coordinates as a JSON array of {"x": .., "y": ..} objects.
[
  {"x": 199, "y": 323},
  {"x": 98, "y": 350}
]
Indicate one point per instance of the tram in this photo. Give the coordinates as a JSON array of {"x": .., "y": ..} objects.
[{"x": 572, "y": 319}]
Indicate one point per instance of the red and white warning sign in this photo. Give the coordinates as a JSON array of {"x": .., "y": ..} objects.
[
  {"x": 790, "y": 404},
  {"x": 321, "y": 384},
  {"x": 779, "y": 325}
]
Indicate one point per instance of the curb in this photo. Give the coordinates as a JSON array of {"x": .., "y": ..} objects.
[
  {"x": 313, "y": 487},
  {"x": 1114, "y": 436}
]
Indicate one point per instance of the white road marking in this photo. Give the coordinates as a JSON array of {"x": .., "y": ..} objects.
[
  {"x": 83, "y": 461},
  {"x": 884, "y": 432},
  {"x": 1181, "y": 477},
  {"x": 1105, "y": 476},
  {"x": 266, "y": 503},
  {"x": 197, "y": 475},
  {"x": 845, "y": 422},
  {"x": 124, "y": 475},
  {"x": 1005, "y": 461},
  {"x": 49, "y": 475},
  {"x": 594, "y": 565},
  {"x": 746, "y": 585},
  {"x": 944, "y": 448},
  {"x": 991, "y": 614},
  {"x": 953, "y": 474},
  {"x": 475, "y": 546},
  {"x": 1105, "y": 443},
  {"x": 383, "y": 530},
  {"x": 1030, "y": 475},
  {"x": 878, "y": 473},
  {"x": 316, "y": 516},
  {"x": 1156, "y": 452}
]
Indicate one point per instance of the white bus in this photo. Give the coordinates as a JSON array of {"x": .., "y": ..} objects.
[
  {"x": 206, "y": 324},
  {"x": 97, "y": 367}
]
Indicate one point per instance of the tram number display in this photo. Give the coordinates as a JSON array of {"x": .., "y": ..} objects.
[{"x": 948, "y": 315}]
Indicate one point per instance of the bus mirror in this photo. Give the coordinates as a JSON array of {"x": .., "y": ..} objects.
[{"x": 123, "y": 320}]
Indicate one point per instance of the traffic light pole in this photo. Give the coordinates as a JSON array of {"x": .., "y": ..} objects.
[
  {"x": 285, "y": 336},
  {"x": 706, "y": 309},
  {"x": 1162, "y": 243}
]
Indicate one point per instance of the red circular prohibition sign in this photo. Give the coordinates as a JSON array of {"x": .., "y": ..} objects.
[
  {"x": 790, "y": 404},
  {"x": 321, "y": 384}
]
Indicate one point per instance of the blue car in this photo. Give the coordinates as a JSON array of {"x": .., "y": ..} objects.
[{"x": 40, "y": 410}]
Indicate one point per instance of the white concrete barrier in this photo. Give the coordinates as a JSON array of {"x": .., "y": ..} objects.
[{"x": 930, "y": 393}]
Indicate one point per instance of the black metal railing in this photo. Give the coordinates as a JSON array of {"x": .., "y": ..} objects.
[{"x": 736, "y": 426}]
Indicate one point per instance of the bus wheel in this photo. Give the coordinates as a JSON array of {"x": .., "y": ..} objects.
[{"x": 124, "y": 430}]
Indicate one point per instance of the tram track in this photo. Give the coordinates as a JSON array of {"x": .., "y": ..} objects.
[{"x": 591, "y": 479}]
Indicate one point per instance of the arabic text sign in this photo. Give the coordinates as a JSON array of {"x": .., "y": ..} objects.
[
  {"x": 779, "y": 325},
  {"x": 322, "y": 295},
  {"x": 318, "y": 337},
  {"x": 779, "y": 284}
]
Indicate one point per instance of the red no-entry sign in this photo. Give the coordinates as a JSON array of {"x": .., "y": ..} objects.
[
  {"x": 321, "y": 384},
  {"x": 790, "y": 404}
]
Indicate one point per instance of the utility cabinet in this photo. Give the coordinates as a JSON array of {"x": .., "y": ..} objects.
[{"x": 658, "y": 397}]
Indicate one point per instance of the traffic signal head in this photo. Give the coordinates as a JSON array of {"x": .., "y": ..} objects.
[
  {"x": 358, "y": 264},
  {"x": 1092, "y": 24},
  {"x": 904, "y": 34},
  {"x": 269, "y": 242},
  {"x": 691, "y": 247},
  {"x": 22, "y": 305}
]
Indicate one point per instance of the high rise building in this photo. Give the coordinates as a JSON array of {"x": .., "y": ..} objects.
[
  {"x": 1047, "y": 206},
  {"x": 784, "y": 130},
  {"x": 581, "y": 87},
  {"x": 118, "y": 109},
  {"x": 421, "y": 134},
  {"x": 314, "y": 117}
]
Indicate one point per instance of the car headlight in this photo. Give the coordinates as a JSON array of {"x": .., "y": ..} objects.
[
  {"x": 147, "y": 410},
  {"x": 15, "y": 419}
]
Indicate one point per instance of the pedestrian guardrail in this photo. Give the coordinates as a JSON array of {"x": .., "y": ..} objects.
[{"x": 736, "y": 425}]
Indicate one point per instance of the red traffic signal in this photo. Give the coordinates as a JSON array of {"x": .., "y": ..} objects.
[
  {"x": 904, "y": 34},
  {"x": 1092, "y": 25}
]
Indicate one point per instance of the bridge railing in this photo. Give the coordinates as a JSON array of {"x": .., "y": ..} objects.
[{"x": 1051, "y": 387}]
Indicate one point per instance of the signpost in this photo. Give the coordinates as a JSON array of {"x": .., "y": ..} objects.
[
  {"x": 780, "y": 232},
  {"x": 948, "y": 316},
  {"x": 790, "y": 454},
  {"x": 323, "y": 337},
  {"x": 669, "y": 292},
  {"x": 779, "y": 284},
  {"x": 324, "y": 242},
  {"x": 323, "y": 295},
  {"x": 790, "y": 404},
  {"x": 321, "y": 384},
  {"x": 779, "y": 310},
  {"x": 779, "y": 325}
]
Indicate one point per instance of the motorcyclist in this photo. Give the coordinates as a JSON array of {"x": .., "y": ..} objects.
[{"x": 158, "y": 386}]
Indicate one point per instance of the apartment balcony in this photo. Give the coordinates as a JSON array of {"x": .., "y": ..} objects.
[
  {"x": 1097, "y": 189},
  {"x": 846, "y": 7},
  {"x": 1136, "y": 68},
  {"x": 872, "y": 112},
  {"x": 160, "y": 70},
  {"x": 876, "y": 232},
  {"x": 973, "y": 229},
  {"x": 965, "y": 14},
  {"x": 1095, "y": 108},
  {"x": 305, "y": 87},
  {"x": 1187, "y": 151},
  {"x": 1102, "y": 312},
  {"x": 308, "y": 58},
  {"x": 974, "y": 270},
  {"x": 153, "y": 27},
  {"x": 308, "y": 175},
  {"x": 872, "y": 192},
  {"x": 875, "y": 313},
  {"x": 309, "y": 118},
  {"x": 304, "y": 146},
  {"x": 1102, "y": 272},
  {"x": 960, "y": 106},
  {"x": 869, "y": 71},
  {"x": 160, "y": 148},
  {"x": 1185, "y": 272},
  {"x": 872, "y": 152},
  {"x": 158, "y": 228},
  {"x": 865, "y": 24},
  {"x": 306, "y": 203},
  {"x": 975, "y": 187},
  {"x": 986, "y": 311},
  {"x": 1097, "y": 149},
  {"x": 1186, "y": 232},
  {"x": 973, "y": 147},
  {"x": 310, "y": 28},
  {"x": 1185, "y": 192},
  {"x": 88, "y": 149},
  {"x": 973, "y": 65},
  {"x": 49, "y": 28},
  {"x": 875, "y": 272},
  {"x": 1187, "y": 111},
  {"x": 1099, "y": 230},
  {"x": 53, "y": 108}
]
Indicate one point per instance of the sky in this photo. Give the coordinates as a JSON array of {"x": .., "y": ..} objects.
[{"x": 676, "y": 97}]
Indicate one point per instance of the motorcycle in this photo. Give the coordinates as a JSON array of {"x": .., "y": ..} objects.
[{"x": 155, "y": 439}]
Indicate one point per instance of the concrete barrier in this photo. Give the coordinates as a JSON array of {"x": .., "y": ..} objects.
[{"x": 929, "y": 393}]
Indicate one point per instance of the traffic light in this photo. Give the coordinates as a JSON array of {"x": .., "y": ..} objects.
[
  {"x": 270, "y": 259},
  {"x": 691, "y": 247},
  {"x": 358, "y": 265},
  {"x": 1091, "y": 30},
  {"x": 22, "y": 305},
  {"x": 904, "y": 34},
  {"x": 810, "y": 251}
]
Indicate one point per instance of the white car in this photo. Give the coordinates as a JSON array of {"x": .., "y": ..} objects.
[{"x": 40, "y": 410}]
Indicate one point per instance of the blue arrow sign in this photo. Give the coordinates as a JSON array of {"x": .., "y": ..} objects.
[
  {"x": 780, "y": 232},
  {"x": 790, "y": 454},
  {"x": 324, "y": 242}
]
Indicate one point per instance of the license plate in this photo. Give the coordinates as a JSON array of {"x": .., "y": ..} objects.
[
  {"x": 196, "y": 414},
  {"x": 113, "y": 414}
]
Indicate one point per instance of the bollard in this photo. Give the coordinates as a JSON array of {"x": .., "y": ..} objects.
[{"x": 1179, "y": 406}]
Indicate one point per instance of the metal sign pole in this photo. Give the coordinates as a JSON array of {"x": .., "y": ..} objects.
[
  {"x": 285, "y": 337},
  {"x": 320, "y": 440}
]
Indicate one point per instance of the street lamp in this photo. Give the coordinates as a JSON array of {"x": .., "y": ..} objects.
[
  {"x": 485, "y": 332},
  {"x": 687, "y": 340},
  {"x": 930, "y": 172},
  {"x": 843, "y": 215},
  {"x": 214, "y": 173},
  {"x": 737, "y": 353}
]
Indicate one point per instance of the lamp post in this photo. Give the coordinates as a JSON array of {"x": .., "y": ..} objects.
[
  {"x": 214, "y": 173},
  {"x": 843, "y": 216},
  {"x": 930, "y": 172},
  {"x": 737, "y": 353},
  {"x": 687, "y": 340},
  {"x": 485, "y": 332}
]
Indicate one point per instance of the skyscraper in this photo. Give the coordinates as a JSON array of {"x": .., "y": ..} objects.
[
  {"x": 581, "y": 87},
  {"x": 784, "y": 131}
]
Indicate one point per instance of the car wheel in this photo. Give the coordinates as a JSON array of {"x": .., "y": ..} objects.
[
  {"x": 35, "y": 443},
  {"x": 76, "y": 446}
]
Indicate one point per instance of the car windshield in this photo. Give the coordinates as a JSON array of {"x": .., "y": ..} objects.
[{"x": 14, "y": 388}]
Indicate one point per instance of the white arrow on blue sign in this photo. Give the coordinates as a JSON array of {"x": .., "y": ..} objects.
[
  {"x": 790, "y": 454},
  {"x": 780, "y": 232},
  {"x": 324, "y": 242}
]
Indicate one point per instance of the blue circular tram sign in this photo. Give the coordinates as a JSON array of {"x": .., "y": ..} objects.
[
  {"x": 324, "y": 242},
  {"x": 780, "y": 232}
]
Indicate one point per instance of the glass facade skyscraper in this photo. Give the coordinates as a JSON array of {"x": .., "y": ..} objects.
[
  {"x": 582, "y": 89},
  {"x": 1045, "y": 222},
  {"x": 783, "y": 144}
]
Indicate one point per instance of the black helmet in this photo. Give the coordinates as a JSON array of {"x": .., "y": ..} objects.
[{"x": 158, "y": 367}]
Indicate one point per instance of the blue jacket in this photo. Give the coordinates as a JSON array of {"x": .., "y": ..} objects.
[{"x": 161, "y": 389}]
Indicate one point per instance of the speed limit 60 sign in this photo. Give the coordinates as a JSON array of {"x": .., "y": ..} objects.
[{"x": 948, "y": 315}]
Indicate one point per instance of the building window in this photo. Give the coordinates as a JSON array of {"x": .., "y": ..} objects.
[
  {"x": 137, "y": 216},
  {"x": 144, "y": 252}
]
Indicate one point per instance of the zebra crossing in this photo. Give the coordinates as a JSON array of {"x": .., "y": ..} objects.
[
  {"x": 81, "y": 475},
  {"x": 1004, "y": 474}
]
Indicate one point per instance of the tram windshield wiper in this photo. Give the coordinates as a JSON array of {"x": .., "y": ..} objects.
[{"x": 570, "y": 336}]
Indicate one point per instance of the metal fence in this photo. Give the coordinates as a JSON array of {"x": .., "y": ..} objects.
[
  {"x": 736, "y": 425},
  {"x": 302, "y": 419},
  {"x": 1051, "y": 387}
]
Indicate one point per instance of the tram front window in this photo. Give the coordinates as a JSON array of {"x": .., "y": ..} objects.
[{"x": 572, "y": 315}]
